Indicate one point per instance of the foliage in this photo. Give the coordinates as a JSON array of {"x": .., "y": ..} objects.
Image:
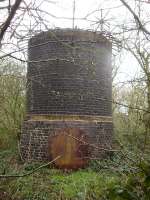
[
  {"x": 12, "y": 101},
  {"x": 54, "y": 184},
  {"x": 135, "y": 187},
  {"x": 126, "y": 174},
  {"x": 110, "y": 179},
  {"x": 128, "y": 122},
  {"x": 117, "y": 177}
]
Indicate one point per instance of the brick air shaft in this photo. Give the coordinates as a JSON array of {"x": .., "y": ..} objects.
[{"x": 69, "y": 84}]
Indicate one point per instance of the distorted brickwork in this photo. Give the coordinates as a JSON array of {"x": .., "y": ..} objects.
[{"x": 69, "y": 73}]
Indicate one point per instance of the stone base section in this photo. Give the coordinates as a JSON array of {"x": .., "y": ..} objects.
[{"x": 36, "y": 133}]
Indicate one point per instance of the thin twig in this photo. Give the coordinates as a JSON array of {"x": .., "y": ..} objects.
[
  {"x": 29, "y": 173},
  {"x": 141, "y": 26}
]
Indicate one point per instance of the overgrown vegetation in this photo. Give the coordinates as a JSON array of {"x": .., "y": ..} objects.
[
  {"x": 124, "y": 175},
  {"x": 50, "y": 183},
  {"x": 12, "y": 101},
  {"x": 109, "y": 179}
]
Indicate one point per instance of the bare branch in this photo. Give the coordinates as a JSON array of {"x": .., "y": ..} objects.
[
  {"x": 141, "y": 26},
  {"x": 9, "y": 19}
]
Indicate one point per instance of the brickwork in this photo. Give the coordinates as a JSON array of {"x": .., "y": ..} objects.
[
  {"x": 69, "y": 73},
  {"x": 34, "y": 140},
  {"x": 66, "y": 77}
]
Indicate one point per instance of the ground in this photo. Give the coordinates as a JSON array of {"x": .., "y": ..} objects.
[
  {"x": 113, "y": 178},
  {"x": 50, "y": 183}
]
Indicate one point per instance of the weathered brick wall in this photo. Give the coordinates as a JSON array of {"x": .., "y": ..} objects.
[
  {"x": 66, "y": 77},
  {"x": 69, "y": 73},
  {"x": 34, "y": 140}
]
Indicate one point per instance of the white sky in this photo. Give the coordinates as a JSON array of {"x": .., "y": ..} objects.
[{"x": 64, "y": 8}]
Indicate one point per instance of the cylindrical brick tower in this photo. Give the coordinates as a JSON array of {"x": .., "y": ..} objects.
[{"x": 68, "y": 85}]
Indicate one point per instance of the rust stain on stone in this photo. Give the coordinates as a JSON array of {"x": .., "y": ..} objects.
[{"x": 69, "y": 143}]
